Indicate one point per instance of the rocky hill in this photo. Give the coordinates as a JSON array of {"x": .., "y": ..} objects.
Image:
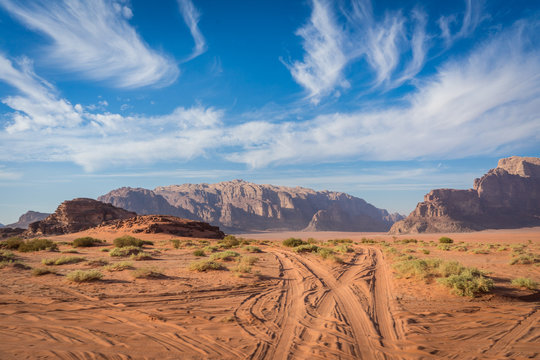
[
  {"x": 28, "y": 218},
  {"x": 76, "y": 215},
  {"x": 506, "y": 197},
  {"x": 163, "y": 224},
  {"x": 242, "y": 206}
]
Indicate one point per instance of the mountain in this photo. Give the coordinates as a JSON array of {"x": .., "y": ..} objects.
[
  {"x": 242, "y": 206},
  {"x": 76, "y": 215},
  {"x": 506, "y": 197},
  {"x": 28, "y": 218},
  {"x": 2, "y": 226}
]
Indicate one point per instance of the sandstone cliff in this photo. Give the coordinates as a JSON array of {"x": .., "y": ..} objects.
[
  {"x": 242, "y": 206},
  {"x": 28, "y": 218},
  {"x": 506, "y": 197},
  {"x": 77, "y": 215}
]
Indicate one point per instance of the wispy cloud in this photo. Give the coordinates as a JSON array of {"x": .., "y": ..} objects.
[
  {"x": 471, "y": 19},
  {"x": 94, "y": 38},
  {"x": 191, "y": 17},
  {"x": 9, "y": 175}
]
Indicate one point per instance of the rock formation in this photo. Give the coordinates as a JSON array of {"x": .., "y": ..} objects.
[
  {"x": 506, "y": 197},
  {"x": 242, "y": 206},
  {"x": 7, "y": 232},
  {"x": 166, "y": 224},
  {"x": 77, "y": 215},
  {"x": 28, "y": 218}
]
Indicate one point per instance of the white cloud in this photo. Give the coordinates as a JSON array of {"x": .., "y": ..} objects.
[
  {"x": 94, "y": 38},
  {"x": 9, "y": 175},
  {"x": 471, "y": 19},
  {"x": 191, "y": 17}
]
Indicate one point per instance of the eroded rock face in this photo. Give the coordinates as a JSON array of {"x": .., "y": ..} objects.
[
  {"x": 242, "y": 206},
  {"x": 77, "y": 215},
  {"x": 165, "y": 224},
  {"x": 7, "y": 232},
  {"x": 506, "y": 197},
  {"x": 28, "y": 218}
]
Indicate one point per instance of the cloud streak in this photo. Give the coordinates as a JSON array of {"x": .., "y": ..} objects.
[
  {"x": 94, "y": 39},
  {"x": 191, "y": 17}
]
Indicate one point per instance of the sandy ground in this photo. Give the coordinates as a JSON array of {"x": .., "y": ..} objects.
[{"x": 291, "y": 306}]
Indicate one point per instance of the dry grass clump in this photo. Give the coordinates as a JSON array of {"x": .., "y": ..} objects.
[
  {"x": 97, "y": 262},
  {"x": 17, "y": 243},
  {"x": 328, "y": 254},
  {"x": 229, "y": 242},
  {"x": 6, "y": 255},
  {"x": 368, "y": 241},
  {"x": 527, "y": 283},
  {"x": 63, "y": 260},
  {"x": 480, "y": 251},
  {"x": 205, "y": 265},
  {"x": 84, "y": 275},
  {"x": 119, "y": 266},
  {"x": 199, "y": 252},
  {"x": 252, "y": 249},
  {"x": 210, "y": 248},
  {"x": 244, "y": 264},
  {"x": 228, "y": 255},
  {"x": 343, "y": 248},
  {"x": 42, "y": 271},
  {"x": 292, "y": 242},
  {"x": 127, "y": 240},
  {"x": 125, "y": 251},
  {"x": 525, "y": 259},
  {"x": 146, "y": 273},
  {"x": 444, "y": 247},
  {"x": 141, "y": 256},
  {"x": 306, "y": 248},
  {"x": 445, "y": 240},
  {"x": 86, "y": 241}
]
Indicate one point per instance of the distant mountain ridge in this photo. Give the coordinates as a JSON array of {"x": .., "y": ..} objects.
[
  {"x": 28, "y": 218},
  {"x": 506, "y": 197},
  {"x": 242, "y": 206}
]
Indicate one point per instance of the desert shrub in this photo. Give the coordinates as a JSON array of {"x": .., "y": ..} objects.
[
  {"x": 6, "y": 255},
  {"x": 199, "y": 252},
  {"x": 228, "y": 255},
  {"x": 37, "y": 245},
  {"x": 418, "y": 268},
  {"x": 86, "y": 241},
  {"x": 242, "y": 268},
  {"x": 127, "y": 240},
  {"x": 480, "y": 251},
  {"x": 343, "y": 249},
  {"x": 525, "y": 259},
  {"x": 312, "y": 241},
  {"x": 69, "y": 251},
  {"x": 175, "y": 243},
  {"x": 63, "y": 260},
  {"x": 125, "y": 251},
  {"x": 502, "y": 248},
  {"x": 467, "y": 283},
  {"x": 105, "y": 250},
  {"x": 205, "y": 265},
  {"x": 409, "y": 250},
  {"x": 211, "y": 248},
  {"x": 119, "y": 266},
  {"x": 146, "y": 273},
  {"x": 84, "y": 275},
  {"x": 408, "y": 241},
  {"x": 447, "y": 268},
  {"x": 444, "y": 247},
  {"x": 445, "y": 240},
  {"x": 97, "y": 262},
  {"x": 368, "y": 241},
  {"x": 425, "y": 251},
  {"x": 12, "y": 243},
  {"x": 339, "y": 241},
  {"x": 141, "y": 256},
  {"x": 329, "y": 254},
  {"x": 252, "y": 249},
  {"x": 460, "y": 248},
  {"x": 292, "y": 242},
  {"x": 42, "y": 271},
  {"x": 249, "y": 260},
  {"x": 306, "y": 248},
  {"x": 525, "y": 283},
  {"x": 391, "y": 250},
  {"x": 229, "y": 241}
]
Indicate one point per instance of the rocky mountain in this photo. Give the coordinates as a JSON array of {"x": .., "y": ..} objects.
[
  {"x": 506, "y": 197},
  {"x": 28, "y": 218},
  {"x": 242, "y": 206},
  {"x": 76, "y": 215},
  {"x": 163, "y": 224}
]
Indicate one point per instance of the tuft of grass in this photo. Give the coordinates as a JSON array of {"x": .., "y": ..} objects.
[
  {"x": 63, "y": 260},
  {"x": 444, "y": 247},
  {"x": 343, "y": 248},
  {"x": 42, "y": 271},
  {"x": 292, "y": 242},
  {"x": 86, "y": 241},
  {"x": 306, "y": 248},
  {"x": 37, "y": 245},
  {"x": 69, "y": 251},
  {"x": 228, "y": 255},
  {"x": 525, "y": 259},
  {"x": 126, "y": 240},
  {"x": 199, "y": 252},
  {"x": 249, "y": 260},
  {"x": 175, "y": 243},
  {"x": 425, "y": 251},
  {"x": 480, "y": 251},
  {"x": 229, "y": 241},
  {"x": 368, "y": 241},
  {"x": 445, "y": 240},
  {"x": 210, "y": 248},
  {"x": 461, "y": 248},
  {"x": 252, "y": 249},
  {"x": 125, "y": 251},
  {"x": 146, "y": 273},
  {"x": 119, "y": 266},
  {"x": 141, "y": 256},
  {"x": 467, "y": 283},
  {"x": 328, "y": 254},
  {"x": 527, "y": 283},
  {"x": 312, "y": 241},
  {"x": 97, "y": 262},
  {"x": 205, "y": 265},
  {"x": 6, "y": 255},
  {"x": 408, "y": 241},
  {"x": 84, "y": 275}
]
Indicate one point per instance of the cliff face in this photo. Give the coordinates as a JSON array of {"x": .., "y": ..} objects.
[
  {"x": 242, "y": 206},
  {"x": 28, "y": 218},
  {"x": 506, "y": 197},
  {"x": 77, "y": 215}
]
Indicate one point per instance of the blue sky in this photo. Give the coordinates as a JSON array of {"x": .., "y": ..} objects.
[{"x": 383, "y": 100}]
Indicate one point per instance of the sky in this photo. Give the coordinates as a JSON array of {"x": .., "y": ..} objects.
[{"x": 384, "y": 100}]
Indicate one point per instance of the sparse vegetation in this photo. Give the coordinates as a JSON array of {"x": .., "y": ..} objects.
[
  {"x": 84, "y": 275},
  {"x": 146, "y": 273},
  {"x": 175, "y": 243},
  {"x": 228, "y": 255},
  {"x": 205, "y": 265},
  {"x": 467, "y": 283},
  {"x": 525, "y": 259},
  {"x": 368, "y": 241},
  {"x": 527, "y": 283},
  {"x": 444, "y": 247},
  {"x": 480, "y": 251},
  {"x": 6, "y": 255},
  {"x": 210, "y": 248},
  {"x": 343, "y": 248},
  {"x": 125, "y": 251},
  {"x": 12, "y": 243},
  {"x": 63, "y": 260},
  {"x": 126, "y": 240},
  {"x": 97, "y": 262},
  {"x": 86, "y": 241},
  {"x": 252, "y": 249},
  {"x": 445, "y": 240},
  {"x": 292, "y": 242},
  {"x": 228, "y": 242},
  {"x": 42, "y": 271},
  {"x": 141, "y": 256},
  {"x": 328, "y": 254},
  {"x": 199, "y": 252},
  {"x": 306, "y": 248},
  {"x": 425, "y": 251},
  {"x": 119, "y": 266},
  {"x": 32, "y": 245}
]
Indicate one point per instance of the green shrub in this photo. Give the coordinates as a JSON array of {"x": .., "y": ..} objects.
[
  {"x": 312, "y": 241},
  {"x": 229, "y": 241},
  {"x": 146, "y": 273},
  {"x": 125, "y": 251},
  {"x": 82, "y": 275},
  {"x": 460, "y": 248},
  {"x": 63, "y": 260},
  {"x": 249, "y": 260},
  {"x": 228, "y": 255},
  {"x": 37, "y": 245},
  {"x": 292, "y": 242},
  {"x": 127, "y": 240},
  {"x": 425, "y": 251},
  {"x": 69, "y": 251},
  {"x": 444, "y": 247},
  {"x": 141, "y": 256},
  {"x": 86, "y": 241},
  {"x": 242, "y": 268},
  {"x": 328, "y": 254},
  {"x": 12, "y": 243},
  {"x": 343, "y": 249},
  {"x": 447, "y": 268},
  {"x": 467, "y": 283},
  {"x": 525, "y": 259},
  {"x": 176, "y": 243},
  {"x": 339, "y": 241},
  {"x": 119, "y": 266},
  {"x": 525, "y": 283},
  {"x": 205, "y": 265},
  {"x": 6, "y": 255},
  {"x": 480, "y": 251},
  {"x": 418, "y": 268},
  {"x": 445, "y": 240},
  {"x": 368, "y": 241},
  {"x": 97, "y": 262},
  {"x": 210, "y": 248},
  {"x": 306, "y": 248},
  {"x": 252, "y": 249},
  {"x": 408, "y": 241},
  {"x": 199, "y": 252},
  {"x": 42, "y": 271}
]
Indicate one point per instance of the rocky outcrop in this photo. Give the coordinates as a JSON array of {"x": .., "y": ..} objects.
[
  {"x": 7, "y": 232},
  {"x": 243, "y": 206},
  {"x": 28, "y": 218},
  {"x": 506, "y": 197},
  {"x": 164, "y": 224},
  {"x": 77, "y": 215}
]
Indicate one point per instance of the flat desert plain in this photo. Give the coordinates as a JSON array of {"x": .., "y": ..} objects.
[{"x": 274, "y": 303}]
